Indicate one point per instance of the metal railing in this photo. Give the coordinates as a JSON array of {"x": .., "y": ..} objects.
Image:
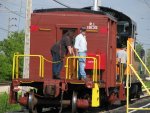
[
  {"x": 94, "y": 77},
  {"x": 120, "y": 73},
  {"x": 130, "y": 67},
  {"x": 15, "y": 67}
]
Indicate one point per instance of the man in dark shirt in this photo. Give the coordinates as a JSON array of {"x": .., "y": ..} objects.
[{"x": 59, "y": 50}]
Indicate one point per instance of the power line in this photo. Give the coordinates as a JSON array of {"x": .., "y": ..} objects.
[
  {"x": 4, "y": 29},
  {"x": 148, "y": 5},
  {"x": 11, "y": 3},
  {"x": 12, "y": 11},
  {"x": 61, "y": 4},
  {"x": 6, "y": 11}
]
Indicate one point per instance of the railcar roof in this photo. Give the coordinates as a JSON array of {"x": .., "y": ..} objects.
[
  {"x": 68, "y": 9},
  {"x": 74, "y": 9},
  {"x": 118, "y": 15}
]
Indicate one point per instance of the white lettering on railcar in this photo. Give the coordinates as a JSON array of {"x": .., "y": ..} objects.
[{"x": 92, "y": 26}]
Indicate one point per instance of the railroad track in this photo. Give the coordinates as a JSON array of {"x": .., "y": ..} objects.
[
  {"x": 121, "y": 109},
  {"x": 109, "y": 109}
]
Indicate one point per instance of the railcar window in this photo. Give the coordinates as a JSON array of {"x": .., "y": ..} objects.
[
  {"x": 120, "y": 28},
  {"x": 122, "y": 33}
]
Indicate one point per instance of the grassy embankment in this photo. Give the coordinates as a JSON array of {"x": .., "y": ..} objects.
[
  {"x": 147, "y": 83},
  {"x": 5, "y": 106}
]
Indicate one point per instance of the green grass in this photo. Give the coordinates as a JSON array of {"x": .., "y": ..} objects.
[
  {"x": 5, "y": 106},
  {"x": 147, "y": 83}
]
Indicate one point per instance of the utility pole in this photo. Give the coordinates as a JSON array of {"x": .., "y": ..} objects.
[{"x": 27, "y": 39}]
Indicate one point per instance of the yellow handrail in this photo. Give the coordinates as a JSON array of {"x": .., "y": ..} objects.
[
  {"x": 130, "y": 66},
  {"x": 99, "y": 59},
  {"x": 77, "y": 57},
  {"x": 127, "y": 78},
  {"x": 139, "y": 58},
  {"x": 139, "y": 108},
  {"x": 145, "y": 87},
  {"x": 15, "y": 68}
]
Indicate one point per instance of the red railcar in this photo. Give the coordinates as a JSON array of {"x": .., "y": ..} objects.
[{"x": 47, "y": 27}]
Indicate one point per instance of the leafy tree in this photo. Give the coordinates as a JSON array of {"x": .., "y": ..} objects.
[
  {"x": 148, "y": 59},
  {"x": 139, "y": 50},
  {"x": 14, "y": 43}
]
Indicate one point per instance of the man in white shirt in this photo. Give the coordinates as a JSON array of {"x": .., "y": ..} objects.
[
  {"x": 81, "y": 49},
  {"x": 122, "y": 55}
]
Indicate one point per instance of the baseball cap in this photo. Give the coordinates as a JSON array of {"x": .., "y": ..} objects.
[{"x": 83, "y": 28}]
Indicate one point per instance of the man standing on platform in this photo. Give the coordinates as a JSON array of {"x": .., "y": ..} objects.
[{"x": 81, "y": 49}]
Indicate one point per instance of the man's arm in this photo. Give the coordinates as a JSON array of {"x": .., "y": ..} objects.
[{"x": 71, "y": 51}]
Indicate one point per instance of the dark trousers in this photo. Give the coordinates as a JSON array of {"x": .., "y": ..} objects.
[{"x": 57, "y": 65}]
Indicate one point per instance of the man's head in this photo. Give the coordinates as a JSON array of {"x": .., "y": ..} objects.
[
  {"x": 83, "y": 30},
  {"x": 71, "y": 33},
  {"x": 124, "y": 47}
]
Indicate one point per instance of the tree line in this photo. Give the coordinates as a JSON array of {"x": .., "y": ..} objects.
[{"x": 12, "y": 44}]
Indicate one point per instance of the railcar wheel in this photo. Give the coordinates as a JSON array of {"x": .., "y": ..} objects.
[
  {"x": 32, "y": 103},
  {"x": 74, "y": 102}
]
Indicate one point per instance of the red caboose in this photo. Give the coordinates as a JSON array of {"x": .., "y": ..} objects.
[
  {"x": 47, "y": 27},
  {"x": 101, "y": 38}
]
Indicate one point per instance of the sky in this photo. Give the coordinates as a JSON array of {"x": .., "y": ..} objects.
[{"x": 12, "y": 14}]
